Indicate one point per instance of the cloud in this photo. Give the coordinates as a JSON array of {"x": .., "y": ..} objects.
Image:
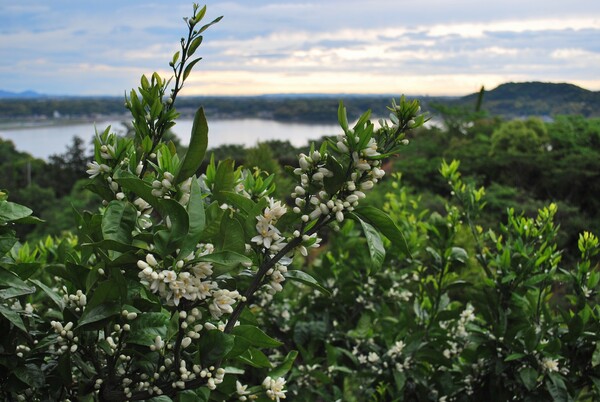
[{"x": 302, "y": 46}]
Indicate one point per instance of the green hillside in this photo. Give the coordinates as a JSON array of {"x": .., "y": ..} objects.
[{"x": 537, "y": 99}]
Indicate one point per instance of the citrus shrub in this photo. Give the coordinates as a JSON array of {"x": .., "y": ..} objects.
[
  {"x": 149, "y": 298},
  {"x": 472, "y": 313}
]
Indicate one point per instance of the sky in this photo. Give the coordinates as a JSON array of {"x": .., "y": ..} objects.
[{"x": 427, "y": 47}]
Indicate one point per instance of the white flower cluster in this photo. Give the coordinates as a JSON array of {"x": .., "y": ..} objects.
[
  {"x": 66, "y": 339},
  {"x": 144, "y": 211},
  {"x": 21, "y": 349},
  {"x": 274, "y": 388},
  {"x": 268, "y": 235},
  {"x": 396, "y": 349},
  {"x": 162, "y": 188},
  {"x": 189, "y": 280},
  {"x": 312, "y": 172},
  {"x": 78, "y": 300},
  {"x": 276, "y": 277}
]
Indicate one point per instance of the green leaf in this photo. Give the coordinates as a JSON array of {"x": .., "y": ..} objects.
[
  {"x": 285, "y": 366},
  {"x": 231, "y": 236},
  {"x": 197, "y": 148},
  {"x": 342, "y": 117},
  {"x": 142, "y": 189},
  {"x": 13, "y": 317},
  {"x": 303, "y": 277},
  {"x": 244, "y": 204},
  {"x": 99, "y": 313},
  {"x": 9, "y": 279},
  {"x": 119, "y": 221},
  {"x": 255, "y": 336},
  {"x": 529, "y": 378},
  {"x": 376, "y": 249},
  {"x": 334, "y": 183},
  {"x": 194, "y": 45},
  {"x": 227, "y": 259},
  {"x": 255, "y": 358},
  {"x": 458, "y": 254},
  {"x": 385, "y": 225},
  {"x": 224, "y": 180},
  {"x": 147, "y": 326},
  {"x": 214, "y": 345},
  {"x": 189, "y": 67},
  {"x": 596, "y": 356},
  {"x": 10, "y": 211},
  {"x": 31, "y": 375},
  {"x": 7, "y": 241},
  {"x": 197, "y": 220},
  {"x": 514, "y": 356}
]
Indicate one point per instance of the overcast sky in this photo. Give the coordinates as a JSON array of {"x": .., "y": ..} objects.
[{"x": 427, "y": 47}]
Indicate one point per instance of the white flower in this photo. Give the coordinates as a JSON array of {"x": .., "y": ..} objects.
[
  {"x": 373, "y": 357},
  {"x": 396, "y": 349},
  {"x": 202, "y": 270},
  {"x": 107, "y": 151},
  {"x": 267, "y": 233},
  {"x": 274, "y": 388},
  {"x": 549, "y": 364},
  {"x": 241, "y": 389},
  {"x": 222, "y": 302},
  {"x": 94, "y": 169}
]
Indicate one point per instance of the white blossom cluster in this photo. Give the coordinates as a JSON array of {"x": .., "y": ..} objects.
[
  {"x": 268, "y": 235},
  {"x": 167, "y": 189},
  {"x": 458, "y": 331},
  {"x": 66, "y": 339},
  {"x": 78, "y": 300},
  {"x": 188, "y": 279},
  {"x": 364, "y": 173},
  {"x": 144, "y": 211},
  {"x": 275, "y": 277},
  {"x": 274, "y": 388}
]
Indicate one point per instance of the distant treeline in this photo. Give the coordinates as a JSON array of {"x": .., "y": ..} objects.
[
  {"x": 508, "y": 100},
  {"x": 317, "y": 109}
]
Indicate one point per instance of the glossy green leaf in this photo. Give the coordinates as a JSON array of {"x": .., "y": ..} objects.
[
  {"x": 13, "y": 317},
  {"x": 10, "y": 211},
  {"x": 255, "y": 336},
  {"x": 55, "y": 297},
  {"x": 197, "y": 148},
  {"x": 285, "y": 366},
  {"x": 99, "y": 313},
  {"x": 147, "y": 326},
  {"x": 376, "y": 249},
  {"x": 227, "y": 258},
  {"x": 197, "y": 220},
  {"x": 119, "y": 221},
  {"x": 7, "y": 241},
  {"x": 382, "y": 222},
  {"x": 255, "y": 358},
  {"x": 188, "y": 69},
  {"x": 303, "y": 277},
  {"x": 529, "y": 378},
  {"x": 214, "y": 345}
]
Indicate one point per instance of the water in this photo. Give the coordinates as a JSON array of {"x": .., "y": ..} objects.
[{"x": 42, "y": 142}]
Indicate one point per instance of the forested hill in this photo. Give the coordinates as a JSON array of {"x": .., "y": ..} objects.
[
  {"x": 536, "y": 99},
  {"x": 508, "y": 100}
]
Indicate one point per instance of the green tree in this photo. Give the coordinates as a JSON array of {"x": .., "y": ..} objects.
[{"x": 520, "y": 136}]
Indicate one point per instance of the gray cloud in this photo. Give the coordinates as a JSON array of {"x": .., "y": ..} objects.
[{"x": 102, "y": 47}]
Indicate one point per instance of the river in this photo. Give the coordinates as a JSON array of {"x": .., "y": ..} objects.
[{"x": 41, "y": 142}]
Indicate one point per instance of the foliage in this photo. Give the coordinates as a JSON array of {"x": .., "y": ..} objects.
[
  {"x": 472, "y": 313},
  {"x": 151, "y": 297}
]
